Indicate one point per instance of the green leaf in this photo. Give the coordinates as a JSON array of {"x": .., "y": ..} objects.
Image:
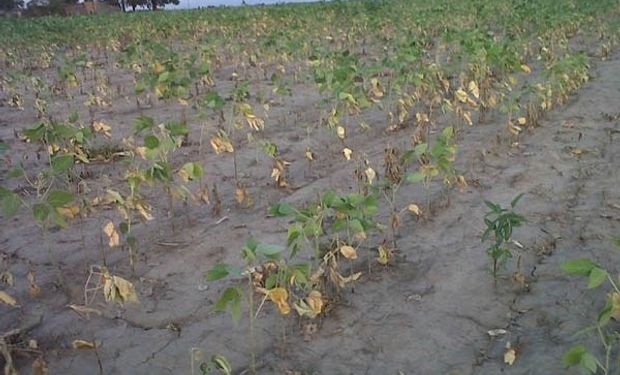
[
  {"x": 415, "y": 177},
  {"x": 589, "y": 363},
  {"x": 73, "y": 117},
  {"x": 15, "y": 172},
  {"x": 143, "y": 123},
  {"x": 605, "y": 315},
  {"x": 514, "y": 202},
  {"x": 4, "y": 147},
  {"x": 231, "y": 298},
  {"x": 420, "y": 149},
  {"x": 269, "y": 251},
  {"x": 356, "y": 226},
  {"x": 574, "y": 355},
  {"x": 222, "y": 364},
  {"x": 40, "y": 211},
  {"x": 151, "y": 142},
  {"x": 10, "y": 202},
  {"x": 163, "y": 77},
  {"x": 330, "y": 199},
  {"x": 281, "y": 209},
  {"x": 218, "y": 272},
  {"x": 62, "y": 163},
  {"x": 177, "y": 128},
  {"x": 581, "y": 267},
  {"x": 597, "y": 277},
  {"x": 59, "y": 198}
]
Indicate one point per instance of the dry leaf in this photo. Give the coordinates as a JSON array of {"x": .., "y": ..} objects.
[
  {"x": 473, "y": 88},
  {"x": 69, "y": 212},
  {"x": 348, "y": 252},
  {"x": 7, "y": 299},
  {"x": 39, "y": 367},
  {"x": 279, "y": 296},
  {"x": 221, "y": 145},
  {"x": 315, "y": 301},
  {"x": 526, "y": 69},
  {"x": 347, "y": 153},
  {"x": 496, "y": 332},
  {"x": 242, "y": 196},
  {"x": 113, "y": 236},
  {"x": 521, "y": 120},
  {"x": 467, "y": 117},
  {"x": 370, "y": 175},
  {"x": 414, "y": 208},
  {"x": 83, "y": 344},
  {"x": 34, "y": 288},
  {"x": 353, "y": 277},
  {"x": 385, "y": 254},
  {"x": 341, "y": 132},
  {"x": 309, "y": 154},
  {"x": 462, "y": 96},
  {"x": 510, "y": 356},
  {"x": 84, "y": 309},
  {"x": 278, "y": 173},
  {"x": 33, "y": 344},
  {"x": 102, "y": 128},
  {"x": 7, "y": 278},
  {"x": 117, "y": 289}
]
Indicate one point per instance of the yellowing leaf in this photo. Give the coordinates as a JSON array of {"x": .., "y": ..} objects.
[
  {"x": 370, "y": 175},
  {"x": 69, "y": 212},
  {"x": 113, "y": 236},
  {"x": 84, "y": 309},
  {"x": 385, "y": 255},
  {"x": 341, "y": 132},
  {"x": 473, "y": 88},
  {"x": 414, "y": 208},
  {"x": 144, "y": 211},
  {"x": 510, "y": 356},
  {"x": 221, "y": 145},
  {"x": 34, "y": 288},
  {"x": 526, "y": 69},
  {"x": 462, "y": 96},
  {"x": 467, "y": 117},
  {"x": 39, "y": 366},
  {"x": 309, "y": 154},
  {"x": 117, "y": 289},
  {"x": 7, "y": 299},
  {"x": 347, "y": 152},
  {"x": 348, "y": 252},
  {"x": 279, "y": 296},
  {"x": 102, "y": 128},
  {"x": 353, "y": 277},
  {"x": 140, "y": 151},
  {"x": 83, "y": 344},
  {"x": 315, "y": 301}
]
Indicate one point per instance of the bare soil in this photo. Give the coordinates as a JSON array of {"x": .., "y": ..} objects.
[{"x": 427, "y": 313}]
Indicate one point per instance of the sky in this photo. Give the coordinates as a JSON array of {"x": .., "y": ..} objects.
[{"x": 185, "y": 4}]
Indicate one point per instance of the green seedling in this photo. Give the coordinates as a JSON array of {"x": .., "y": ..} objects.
[
  {"x": 579, "y": 355},
  {"x": 500, "y": 223}
]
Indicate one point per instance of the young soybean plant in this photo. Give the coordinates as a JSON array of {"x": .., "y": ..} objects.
[
  {"x": 609, "y": 337},
  {"x": 500, "y": 222}
]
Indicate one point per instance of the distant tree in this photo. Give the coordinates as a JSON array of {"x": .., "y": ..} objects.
[
  {"x": 154, "y": 4},
  {"x": 11, "y": 4},
  {"x": 137, "y": 3}
]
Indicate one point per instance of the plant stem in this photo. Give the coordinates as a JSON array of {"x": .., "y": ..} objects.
[{"x": 252, "y": 329}]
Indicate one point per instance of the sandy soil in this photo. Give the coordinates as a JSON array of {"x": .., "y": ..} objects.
[{"x": 427, "y": 313}]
